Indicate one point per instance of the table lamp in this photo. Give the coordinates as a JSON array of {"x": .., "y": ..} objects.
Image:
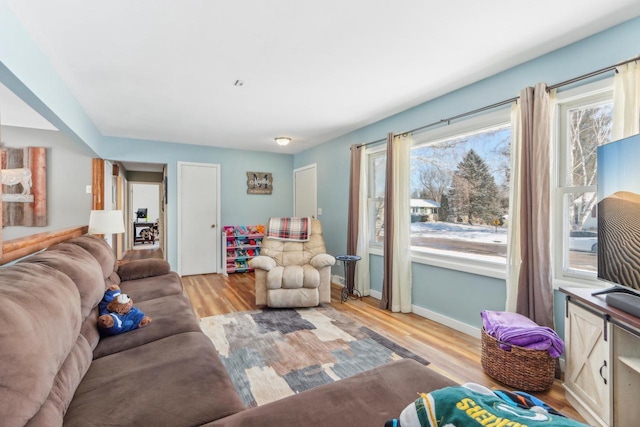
[{"x": 106, "y": 222}]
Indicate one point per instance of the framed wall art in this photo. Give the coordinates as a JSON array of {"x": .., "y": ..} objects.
[
  {"x": 259, "y": 183},
  {"x": 24, "y": 186}
]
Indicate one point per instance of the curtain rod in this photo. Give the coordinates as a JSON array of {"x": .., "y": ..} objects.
[{"x": 509, "y": 101}]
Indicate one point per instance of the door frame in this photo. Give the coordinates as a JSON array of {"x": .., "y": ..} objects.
[
  {"x": 315, "y": 180},
  {"x": 131, "y": 220},
  {"x": 216, "y": 166}
]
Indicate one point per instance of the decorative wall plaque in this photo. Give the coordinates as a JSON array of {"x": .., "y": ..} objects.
[{"x": 259, "y": 183}]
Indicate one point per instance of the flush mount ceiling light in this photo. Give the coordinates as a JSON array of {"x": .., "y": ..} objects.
[{"x": 282, "y": 140}]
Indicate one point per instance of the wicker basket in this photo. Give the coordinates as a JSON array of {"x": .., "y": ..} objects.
[{"x": 520, "y": 368}]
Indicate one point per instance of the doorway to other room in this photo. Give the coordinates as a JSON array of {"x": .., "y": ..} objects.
[{"x": 145, "y": 211}]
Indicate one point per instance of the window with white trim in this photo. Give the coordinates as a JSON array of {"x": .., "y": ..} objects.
[
  {"x": 459, "y": 190},
  {"x": 584, "y": 121}
]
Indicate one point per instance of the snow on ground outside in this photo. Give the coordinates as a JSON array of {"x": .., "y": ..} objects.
[{"x": 459, "y": 231}]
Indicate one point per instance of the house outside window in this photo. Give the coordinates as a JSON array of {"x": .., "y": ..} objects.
[
  {"x": 584, "y": 121},
  {"x": 424, "y": 210}
]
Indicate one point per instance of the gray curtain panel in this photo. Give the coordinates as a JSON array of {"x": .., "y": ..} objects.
[
  {"x": 354, "y": 207},
  {"x": 535, "y": 294}
]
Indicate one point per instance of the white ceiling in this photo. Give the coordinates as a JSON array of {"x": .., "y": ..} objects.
[
  {"x": 16, "y": 112},
  {"x": 312, "y": 70}
]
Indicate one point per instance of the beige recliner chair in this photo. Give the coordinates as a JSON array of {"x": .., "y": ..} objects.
[{"x": 293, "y": 274}]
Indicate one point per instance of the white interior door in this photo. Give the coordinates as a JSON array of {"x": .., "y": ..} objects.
[
  {"x": 198, "y": 213},
  {"x": 305, "y": 192}
]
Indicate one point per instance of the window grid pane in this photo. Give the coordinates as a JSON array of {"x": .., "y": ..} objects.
[
  {"x": 460, "y": 195},
  {"x": 581, "y": 252},
  {"x": 588, "y": 126}
]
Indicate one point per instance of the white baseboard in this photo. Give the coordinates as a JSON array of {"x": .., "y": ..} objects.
[
  {"x": 452, "y": 323},
  {"x": 338, "y": 280},
  {"x": 437, "y": 317},
  {"x": 447, "y": 321}
]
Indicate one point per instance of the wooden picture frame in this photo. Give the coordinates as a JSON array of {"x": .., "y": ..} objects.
[{"x": 24, "y": 186}]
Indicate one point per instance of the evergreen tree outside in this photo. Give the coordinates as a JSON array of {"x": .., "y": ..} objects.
[
  {"x": 474, "y": 194},
  {"x": 445, "y": 210},
  {"x": 434, "y": 167}
]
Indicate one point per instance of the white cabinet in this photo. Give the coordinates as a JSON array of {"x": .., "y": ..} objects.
[
  {"x": 626, "y": 379},
  {"x": 587, "y": 374},
  {"x": 602, "y": 375}
]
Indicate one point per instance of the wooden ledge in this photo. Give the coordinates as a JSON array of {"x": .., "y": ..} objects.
[{"x": 17, "y": 248}]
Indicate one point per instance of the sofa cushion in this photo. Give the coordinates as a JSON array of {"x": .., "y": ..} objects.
[
  {"x": 80, "y": 266},
  {"x": 171, "y": 315},
  {"x": 292, "y": 276},
  {"x": 153, "y": 287},
  {"x": 262, "y": 262},
  {"x": 141, "y": 268},
  {"x": 274, "y": 277},
  {"x": 100, "y": 250},
  {"x": 367, "y": 399},
  {"x": 176, "y": 381},
  {"x": 293, "y": 253},
  {"x": 322, "y": 260},
  {"x": 89, "y": 329},
  {"x": 40, "y": 318},
  {"x": 302, "y": 297},
  {"x": 310, "y": 277},
  {"x": 65, "y": 384}
]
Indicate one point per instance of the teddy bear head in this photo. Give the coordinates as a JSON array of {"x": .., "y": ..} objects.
[{"x": 121, "y": 304}]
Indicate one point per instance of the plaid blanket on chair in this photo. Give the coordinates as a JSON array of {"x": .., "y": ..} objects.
[{"x": 292, "y": 229}]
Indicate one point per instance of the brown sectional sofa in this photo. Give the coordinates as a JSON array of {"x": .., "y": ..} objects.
[{"x": 55, "y": 369}]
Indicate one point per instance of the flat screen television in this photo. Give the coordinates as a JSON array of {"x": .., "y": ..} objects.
[{"x": 618, "y": 170}]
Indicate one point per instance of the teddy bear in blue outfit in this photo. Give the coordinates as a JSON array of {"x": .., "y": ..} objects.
[{"x": 117, "y": 313}]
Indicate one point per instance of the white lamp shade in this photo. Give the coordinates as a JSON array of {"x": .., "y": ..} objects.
[{"x": 106, "y": 222}]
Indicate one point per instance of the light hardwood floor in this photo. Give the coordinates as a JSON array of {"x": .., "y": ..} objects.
[{"x": 452, "y": 353}]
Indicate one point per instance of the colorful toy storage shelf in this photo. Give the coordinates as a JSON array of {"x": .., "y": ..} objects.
[{"x": 242, "y": 242}]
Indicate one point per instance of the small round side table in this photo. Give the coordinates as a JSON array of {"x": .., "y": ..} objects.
[{"x": 349, "y": 267}]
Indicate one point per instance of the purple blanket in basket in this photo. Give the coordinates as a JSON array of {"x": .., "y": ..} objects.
[{"x": 516, "y": 329}]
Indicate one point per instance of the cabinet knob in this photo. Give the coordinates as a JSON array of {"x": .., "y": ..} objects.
[{"x": 213, "y": 226}]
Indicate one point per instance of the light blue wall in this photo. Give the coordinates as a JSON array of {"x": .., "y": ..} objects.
[
  {"x": 456, "y": 294},
  {"x": 444, "y": 291},
  {"x": 559, "y": 312},
  {"x": 237, "y": 207},
  {"x": 435, "y": 287}
]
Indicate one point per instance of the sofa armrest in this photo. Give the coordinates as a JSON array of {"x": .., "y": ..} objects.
[
  {"x": 141, "y": 268},
  {"x": 322, "y": 260},
  {"x": 262, "y": 262}
]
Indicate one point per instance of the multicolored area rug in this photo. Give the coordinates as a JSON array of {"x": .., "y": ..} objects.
[{"x": 274, "y": 353}]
